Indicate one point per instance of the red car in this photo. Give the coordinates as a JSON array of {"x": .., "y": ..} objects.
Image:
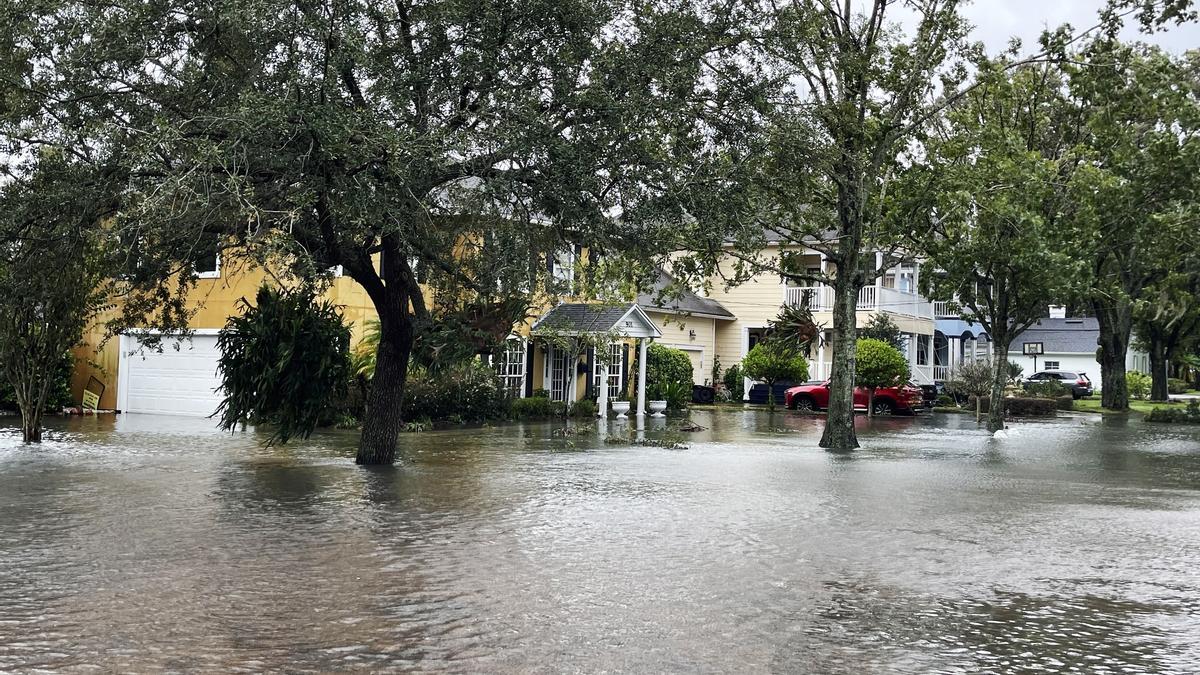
[{"x": 815, "y": 396}]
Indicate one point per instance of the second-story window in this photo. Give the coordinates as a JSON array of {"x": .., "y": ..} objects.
[
  {"x": 562, "y": 268},
  {"x": 207, "y": 257}
]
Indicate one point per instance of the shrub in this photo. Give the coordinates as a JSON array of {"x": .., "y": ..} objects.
[
  {"x": 1138, "y": 384},
  {"x": 945, "y": 401},
  {"x": 468, "y": 392},
  {"x": 1065, "y": 402},
  {"x": 770, "y": 363},
  {"x": 1046, "y": 389},
  {"x": 665, "y": 364},
  {"x": 677, "y": 394},
  {"x": 1014, "y": 371},
  {"x": 541, "y": 393},
  {"x": 1188, "y": 415},
  {"x": 57, "y": 398},
  {"x": 1030, "y": 407},
  {"x": 733, "y": 383},
  {"x": 584, "y": 409},
  {"x": 283, "y": 359},
  {"x": 1176, "y": 386},
  {"x": 533, "y": 407}
]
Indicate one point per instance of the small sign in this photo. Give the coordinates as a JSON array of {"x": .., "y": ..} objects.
[
  {"x": 91, "y": 401},
  {"x": 1032, "y": 348}
]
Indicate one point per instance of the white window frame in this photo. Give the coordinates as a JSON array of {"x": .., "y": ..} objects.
[
  {"x": 564, "y": 266},
  {"x": 213, "y": 273},
  {"x": 550, "y": 371},
  {"x": 1051, "y": 365},
  {"x": 512, "y": 371},
  {"x": 616, "y": 355}
]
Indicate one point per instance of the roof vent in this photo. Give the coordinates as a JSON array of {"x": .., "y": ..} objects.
[{"x": 1079, "y": 321}]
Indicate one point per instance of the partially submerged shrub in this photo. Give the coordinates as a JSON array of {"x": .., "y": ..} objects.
[
  {"x": 468, "y": 392},
  {"x": 584, "y": 409},
  {"x": 1030, "y": 407},
  {"x": 531, "y": 408},
  {"x": 1047, "y": 389},
  {"x": 733, "y": 383},
  {"x": 1176, "y": 386},
  {"x": 1179, "y": 415},
  {"x": 1065, "y": 402}
]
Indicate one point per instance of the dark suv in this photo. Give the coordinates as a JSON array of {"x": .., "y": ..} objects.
[{"x": 1078, "y": 383}]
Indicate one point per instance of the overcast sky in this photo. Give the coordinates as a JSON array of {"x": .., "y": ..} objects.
[{"x": 998, "y": 20}]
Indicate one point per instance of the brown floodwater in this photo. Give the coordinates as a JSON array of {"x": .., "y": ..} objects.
[{"x": 149, "y": 544}]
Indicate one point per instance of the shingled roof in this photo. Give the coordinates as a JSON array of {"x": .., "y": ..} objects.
[
  {"x": 687, "y": 303},
  {"x": 1061, "y": 336},
  {"x": 581, "y": 317}
]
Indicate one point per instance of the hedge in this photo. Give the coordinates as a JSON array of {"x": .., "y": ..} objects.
[
  {"x": 1026, "y": 407},
  {"x": 1179, "y": 415}
]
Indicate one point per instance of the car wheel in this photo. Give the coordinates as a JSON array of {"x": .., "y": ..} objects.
[
  {"x": 883, "y": 408},
  {"x": 804, "y": 404}
]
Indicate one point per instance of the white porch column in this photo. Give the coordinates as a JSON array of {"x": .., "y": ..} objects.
[
  {"x": 641, "y": 409},
  {"x": 820, "y": 372},
  {"x": 878, "y": 275},
  {"x": 952, "y": 353},
  {"x": 602, "y": 394}
]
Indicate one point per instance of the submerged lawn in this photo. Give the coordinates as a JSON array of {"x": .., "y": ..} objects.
[{"x": 1093, "y": 405}]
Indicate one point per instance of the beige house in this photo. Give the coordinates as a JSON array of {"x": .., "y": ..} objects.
[{"x": 757, "y": 301}]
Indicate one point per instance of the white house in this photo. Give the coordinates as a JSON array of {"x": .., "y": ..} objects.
[{"x": 1068, "y": 344}]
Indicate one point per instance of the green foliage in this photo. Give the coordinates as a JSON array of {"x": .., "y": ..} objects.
[
  {"x": 882, "y": 328},
  {"x": 53, "y": 265},
  {"x": 880, "y": 364},
  {"x": 973, "y": 378},
  {"x": 584, "y": 409},
  {"x": 465, "y": 392},
  {"x": 1176, "y": 386},
  {"x": 541, "y": 393},
  {"x": 282, "y": 360},
  {"x": 733, "y": 382},
  {"x": 793, "y": 329},
  {"x": 666, "y": 365},
  {"x": 58, "y": 395},
  {"x": 677, "y": 395},
  {"x": 1047, "y": 389},
  {"x": 1014, "y": 372},
  {"x": 769, "y": 363},
  {"x": 1031, "y": 407},
  {"x": 716, "y": 371},
  {"x": 1138, "y": 384},
  {"x": 1176, "y": 415},
  {"x": 531, "y": 407},
  {"x": 945, "y": 401},
  {"x": 1065, "y": 402}
]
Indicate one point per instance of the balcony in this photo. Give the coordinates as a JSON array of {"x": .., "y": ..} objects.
[{"x": 870, "y": 299}]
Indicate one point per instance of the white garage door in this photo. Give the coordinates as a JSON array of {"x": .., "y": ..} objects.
[
  {"x": 176, "y": 382},
  {"x": 697, "y": 358}
]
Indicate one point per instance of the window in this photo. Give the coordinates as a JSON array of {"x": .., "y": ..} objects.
[
  {"x": 560, "y": 375},
  {"x": 510, "y": 365},
  {"x": 206, "y": 258},
  {"x": 616, "y": 354},
  {"x": 923, "y": 350},
  {"x": 563, "y": 267},
  {"x": 1051, "y": 365}
]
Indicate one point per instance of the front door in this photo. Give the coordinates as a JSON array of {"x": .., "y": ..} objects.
[{"x": 560, "y": 375}]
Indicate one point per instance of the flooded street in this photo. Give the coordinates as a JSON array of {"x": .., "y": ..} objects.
[{"x": 148, "y": 544}]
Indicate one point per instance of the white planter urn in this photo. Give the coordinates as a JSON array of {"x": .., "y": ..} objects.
[
  {"x": 657, "y": 408},
  {"x": 621, "y": 408}
]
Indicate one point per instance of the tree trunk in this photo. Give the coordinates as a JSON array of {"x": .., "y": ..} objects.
[
  {"x": 770, "y": 397},
  {"x": 1116, "y": 322},
  {"x": 978, "y": 408},
  {"x": 31, "y": 425},
  {"x": 383, "y": 418},
  {"x": 871, "y": 402},
  {"x": 1158, "y": 367},
  {"x": 839, "y": 423},
  {"x": 995, "y": 421}
]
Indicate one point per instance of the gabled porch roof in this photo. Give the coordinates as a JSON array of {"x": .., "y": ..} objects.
[{"x": 580, "y": 318}]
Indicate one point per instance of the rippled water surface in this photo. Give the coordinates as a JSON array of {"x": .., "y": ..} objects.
[{"x": 147, "y": 544}]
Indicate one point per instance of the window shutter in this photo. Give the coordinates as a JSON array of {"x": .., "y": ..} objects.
[
  {"x": 590, "y": 389},
  {"x": 529, "y": 368},
  {"x": 625, "y": 367}
]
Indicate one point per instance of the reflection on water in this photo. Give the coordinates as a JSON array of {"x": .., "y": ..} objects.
[{"x": 150, "y": 543}]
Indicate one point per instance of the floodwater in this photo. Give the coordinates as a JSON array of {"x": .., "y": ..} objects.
[{"x": 149, "y": 544}]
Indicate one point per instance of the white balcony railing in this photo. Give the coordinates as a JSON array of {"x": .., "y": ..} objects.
[
  {"x": 941, "y": 373},
  {"x": 941, "y": 310},
  {"x": 870, "y": 298}
]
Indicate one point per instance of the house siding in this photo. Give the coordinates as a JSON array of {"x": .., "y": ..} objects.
[{"x": 675, "y": 330}]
